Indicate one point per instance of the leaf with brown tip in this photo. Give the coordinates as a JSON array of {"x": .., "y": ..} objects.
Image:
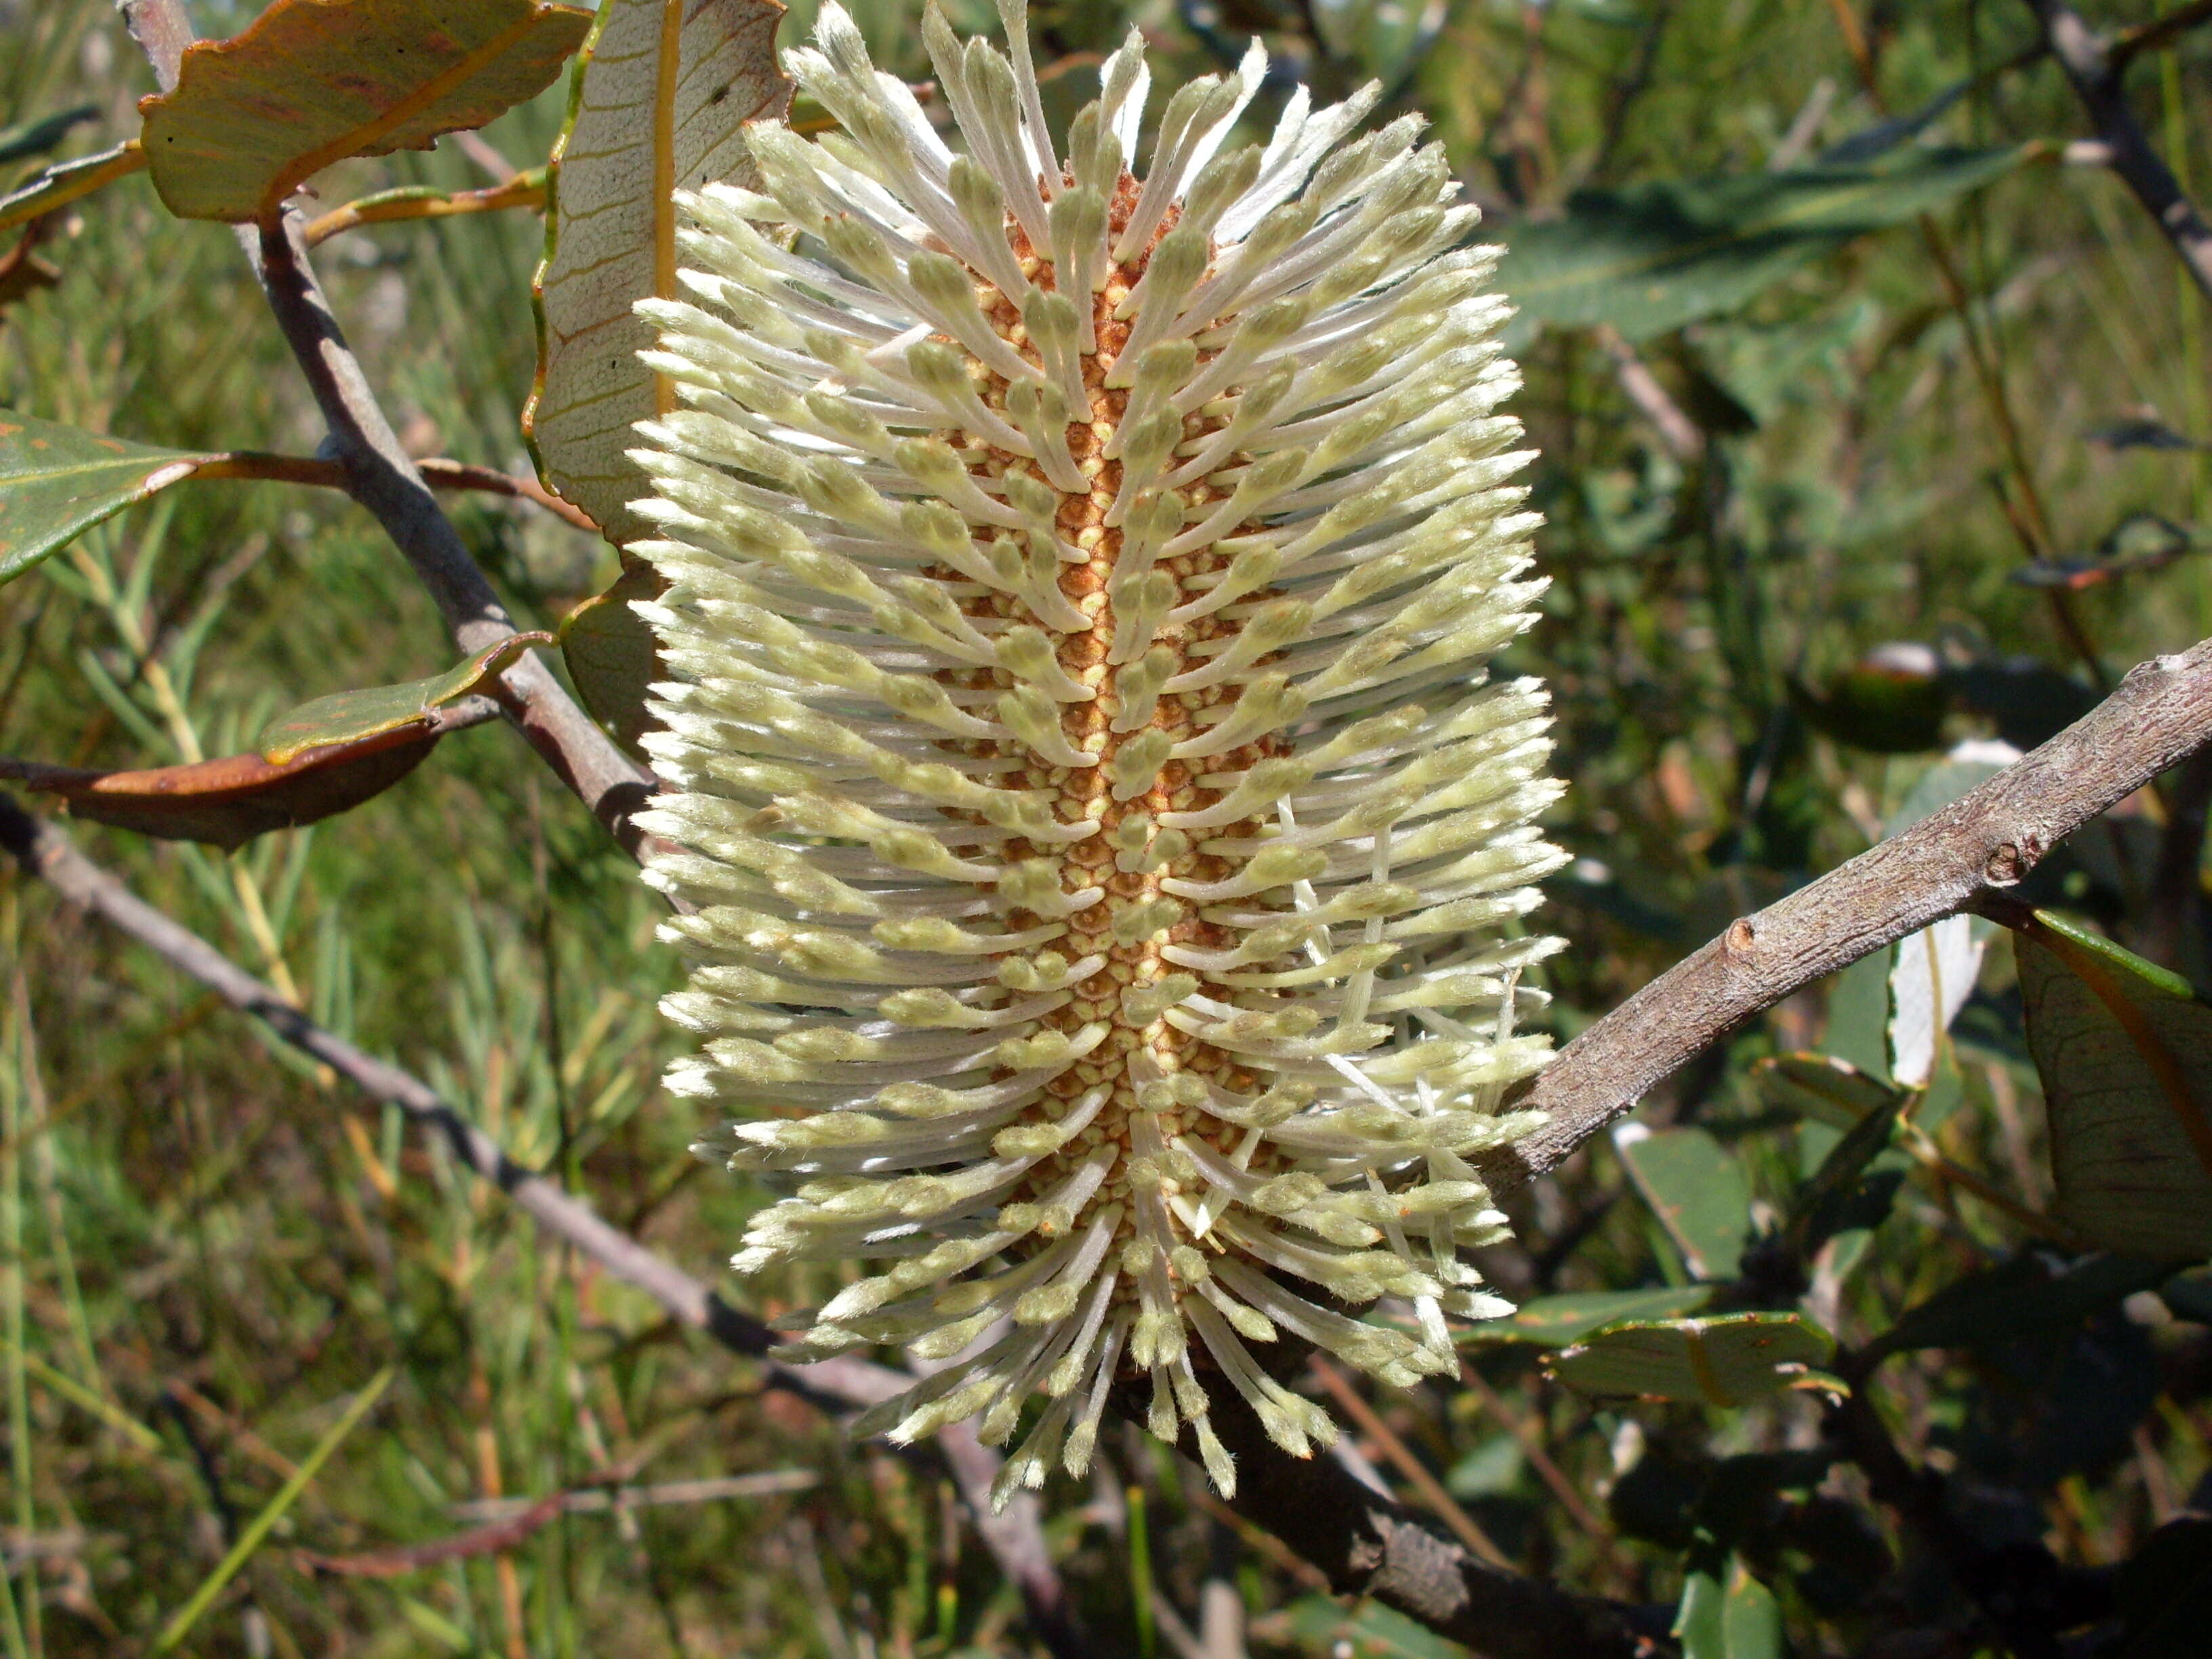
[
  {"x": 313, "y": 82},
  {"x": 228, "y": 801}
]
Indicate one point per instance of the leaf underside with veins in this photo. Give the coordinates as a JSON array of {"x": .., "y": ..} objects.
[{"x": 662, "y": 96}]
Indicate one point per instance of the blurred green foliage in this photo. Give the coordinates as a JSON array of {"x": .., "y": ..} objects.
[{"x": 1764, "y": 632}]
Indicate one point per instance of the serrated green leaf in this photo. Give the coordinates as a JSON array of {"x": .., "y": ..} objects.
[
  {"x": 57, "y": 482},
  {"x": 1652, "y": 257},
  {"x": 613, "y": 657},
  {"x": 2124, "y": 1049},
  {"x": 349, "y": 716},
  {"x": 639, "y": 128},
  {"x": 1730, "y": 1360},
  {"x": 1553, "y": 1321},
  {"x": 313, "y": 82},
  {"x": 1699, "y": 1191}
]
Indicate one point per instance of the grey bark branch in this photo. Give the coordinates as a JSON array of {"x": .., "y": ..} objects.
[
  {"x": 1981, "y": 843},
  {"x": 2098, "y": 74},
  {"x": 383, "y": 478},
  {"x": 1015, "y": 1538}
]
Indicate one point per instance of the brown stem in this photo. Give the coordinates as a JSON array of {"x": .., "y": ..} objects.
[
  {"x": 437, "y": 471},
  {"x": 1014, "y": 1537},
  {"x": 1981, "y": 843},
  {"x": 2097, "y": 71},
  {"x": 524, "y": 191}
]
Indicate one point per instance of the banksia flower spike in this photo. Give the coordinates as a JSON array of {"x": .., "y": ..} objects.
[{"x": 1101, "y": 832}]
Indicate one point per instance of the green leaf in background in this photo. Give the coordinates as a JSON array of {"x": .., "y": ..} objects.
[
  {"x": 60, "y": 186},
  {"x": 1730, "y": 1360},
  {"x": 1858, "y": 1017},
  {"x": 613, "y": 657},
  {"x": 349, "y": 716},
  {"x": 1553, "y": 1321},
  {"x": 1384, "y": 37},
  {"x": 1891, "y": 702},
  {"x": 1832, "y": 1199},
  {"x": 313, "y": 82},
  {"x": 1697, "y": 1189},
  {"x": 57, "y": 482},
  {"x": 27, "y": 138},
  {"x": 1650, "y": 258},
  {"x": 1822, "y": 1088},
  {"x": 1492, "y": 1469},
  {"x": 1697, "y": 1623},
  {"x": 2035, "y": 1294},
  {"x": 2124, "y": 1049},
  {"x": 2190, "y": 1295},
  {"x": 639, "y": 128},
  {"x": 1751, "y": 1620},
  {"x": 1729, "y": 1615},
  {"x": 1367, "y": 1631}
]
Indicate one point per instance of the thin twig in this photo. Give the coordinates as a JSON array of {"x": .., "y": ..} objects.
[
  {"x": 2097, "y": 71},
  {"x": 1683, "y": 438},
  {"x": 1014, "y": 1537},
  {"x": 1983, "y": 843},
  {"x": 2029, "y": 518},
  {"x": 2157, "y": 34},
  {"x": 1539, "y": 1458},
  {"x": 1417, "y": 1474},
  {"x": 437, "y": 471},
  {"x": 523, "y": 193}
]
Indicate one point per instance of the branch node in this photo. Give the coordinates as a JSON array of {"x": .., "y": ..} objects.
[
  {"x": 1741, "y": 938},
  {"x": 2009, "y": 862}
]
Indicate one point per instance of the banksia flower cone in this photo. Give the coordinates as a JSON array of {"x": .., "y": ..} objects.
[{"x": 1103, "y": 837}]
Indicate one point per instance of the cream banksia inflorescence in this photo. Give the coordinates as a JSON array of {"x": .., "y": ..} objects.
[{"x": 1103, "y": 835}]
